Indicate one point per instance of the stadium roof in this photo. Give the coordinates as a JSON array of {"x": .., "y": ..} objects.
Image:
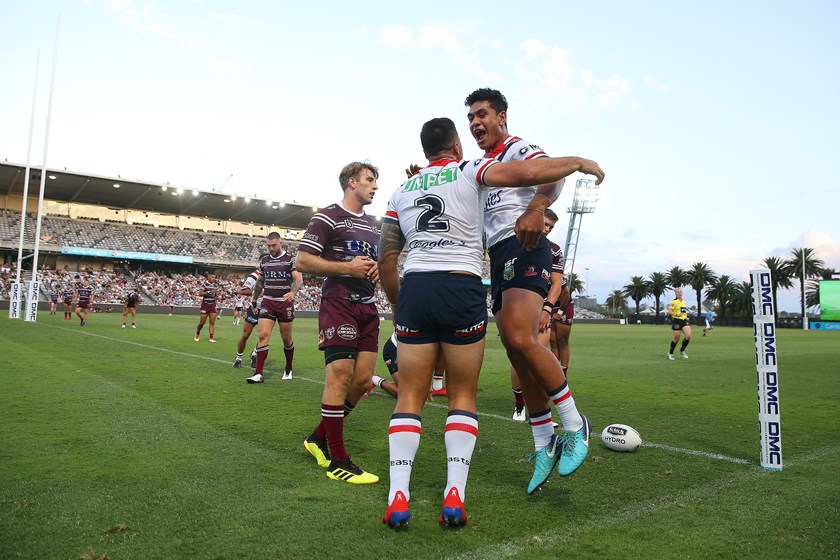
[{"x": 85, "y": 188}]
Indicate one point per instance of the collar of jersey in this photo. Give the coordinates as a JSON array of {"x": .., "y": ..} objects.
[
  {"x": 441, "y": 162},
  {"x": 500, "y": 148}
]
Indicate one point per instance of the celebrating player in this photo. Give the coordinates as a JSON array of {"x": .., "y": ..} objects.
[
  {"x": 520, "y": 258},
  {"x": 437, "y": 214}
]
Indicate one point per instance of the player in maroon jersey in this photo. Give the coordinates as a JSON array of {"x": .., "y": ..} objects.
[
  {"x": 132, "y": 300},
  {"x": 279, "y": 281},
  {"x": 54, "y": 293},
  {"x": 208, "y": 292},
  {"x": 67, "y": 296},
  {"x": 84, "y": 295},
  {"x": 341, "y": 244}
]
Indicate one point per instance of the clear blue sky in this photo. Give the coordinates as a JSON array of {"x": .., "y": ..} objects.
[{"x": 716, "y": 122}]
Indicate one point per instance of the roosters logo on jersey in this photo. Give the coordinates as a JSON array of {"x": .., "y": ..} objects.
[{"x": 530, "y": 271}]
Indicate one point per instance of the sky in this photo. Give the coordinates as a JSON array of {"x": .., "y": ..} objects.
[{"x": 716, "y": 122}]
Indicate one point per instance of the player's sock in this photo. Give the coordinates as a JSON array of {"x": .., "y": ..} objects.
[
  {"x": 673, "y": 345},
  {"x": 684, "y": 344},
  {"x": 348, "y": 408},
  {"x": 262, "y": 354},
  {"x": 403, "y": 441},
  {"x": 564, "y": 403},
  {"x": 239, "y": 356},
  {"x": 517, "y": 396},
  {"x": 377, "y": 381},
  {"x": 332, "y": 416},
  {"x": 437, "y": 382},
  {"x": 459, "y": 437},
  {"x": 290, "y": 354},
  {"x": 542, "y": 428}
]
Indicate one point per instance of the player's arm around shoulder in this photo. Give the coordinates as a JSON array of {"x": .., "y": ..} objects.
[
  {"x": 539, "y": 171},
  {"x": 391, "y": 243}
]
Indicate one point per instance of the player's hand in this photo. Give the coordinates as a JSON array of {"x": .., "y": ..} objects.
[
  {"x": 529, "y": 228},
  {"x": 545, "y": 321},
  {"x": 591, "y": 168},
  {"x": 373, "y": 273},
  {"x": 288, "y": 297},
  {"x": 412, "y": 170},
  {"x": 360, "y": 267}
]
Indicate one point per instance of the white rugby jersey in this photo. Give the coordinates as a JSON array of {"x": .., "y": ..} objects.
[
  {"x": 502, "y": 207},
  {"x": 439, "y": 212}
]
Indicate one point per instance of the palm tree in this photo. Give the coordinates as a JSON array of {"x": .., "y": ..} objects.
[
  {"x": 676, "y": 277},
  {"x": 575, "y": 284},
  {"x": 637, "y": 290},
  {"x": 698, "y": 277},
  {"x": 799, "y": 258},
  {"x": 657, "y": 284},
  {"x": 616, "y": 302},
  {"x": 741, "y": 302},
  {"x": 722, "y": 291},
  {"x": 779, "y": 278}
]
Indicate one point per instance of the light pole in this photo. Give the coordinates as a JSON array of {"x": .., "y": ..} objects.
[
  {"x": 586, "y": 286},
  {"x": 586, "y": 197}
]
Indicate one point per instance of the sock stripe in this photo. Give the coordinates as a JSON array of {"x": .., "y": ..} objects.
[
  {"x": 460, "y": 427},
  {"x": 396, "y": 428}
]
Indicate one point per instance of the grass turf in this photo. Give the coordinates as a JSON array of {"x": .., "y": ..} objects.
[{"x": 145, "y": 444}]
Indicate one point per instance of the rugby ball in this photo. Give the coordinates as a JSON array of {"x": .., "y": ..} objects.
[{"x": 620, "y": 437}]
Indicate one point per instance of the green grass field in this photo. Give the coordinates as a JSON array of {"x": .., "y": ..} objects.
[{"x": 144, "y": 444}]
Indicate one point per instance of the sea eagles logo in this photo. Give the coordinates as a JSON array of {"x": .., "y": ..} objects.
[{"x": 329, "y": 333}]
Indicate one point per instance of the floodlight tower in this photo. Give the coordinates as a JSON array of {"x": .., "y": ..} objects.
[{"x": 586, "y": 197}]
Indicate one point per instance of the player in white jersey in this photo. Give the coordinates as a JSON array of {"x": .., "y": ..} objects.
[
  {"x": 520, "y": 261},
  {"x": 437, "y": 214},
  {"x": 238, "y": 308},
  {"x": 249, "y": 288}
]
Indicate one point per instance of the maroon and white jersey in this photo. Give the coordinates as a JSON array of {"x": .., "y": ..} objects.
[
  {"x": 334, "y": 234},
  {"x": 85, "y": 293},
  {"x": 68, "y": 295},
  {"x": 556, "y": 258},
  {"x": 54, "y": 296},
  {"x": 210, "y": 288},
  {"x": 277, "y": 275}
]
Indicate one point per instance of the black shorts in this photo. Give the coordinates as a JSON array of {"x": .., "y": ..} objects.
[
  {"x": 678, "y": 324},
  {"x": 511, "y": 266},
  {"x": 252, "y": 316},
  {"x": 389, "y": 355},
  {"x": 441, "y": 307}
]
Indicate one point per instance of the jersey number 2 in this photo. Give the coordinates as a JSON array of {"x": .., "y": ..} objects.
[{"x": 430, "y": 219}]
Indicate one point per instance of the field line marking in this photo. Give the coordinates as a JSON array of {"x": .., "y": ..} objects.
[
  {"x": 517, "y": 546},
  {"x": 432, "y": 404}
]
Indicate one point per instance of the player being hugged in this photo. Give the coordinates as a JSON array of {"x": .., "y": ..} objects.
[
  {"x": 208, "y": 293},
  {"x": 440, "y": 307}
]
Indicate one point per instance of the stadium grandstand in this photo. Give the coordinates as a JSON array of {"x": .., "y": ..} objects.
[{"x": 157, "y": 239}]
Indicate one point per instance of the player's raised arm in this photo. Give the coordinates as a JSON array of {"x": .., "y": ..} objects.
[{"x": 539, "y": 171}]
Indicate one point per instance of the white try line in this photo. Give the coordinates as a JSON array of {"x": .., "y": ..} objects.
[{"x": 664, "y": 447}]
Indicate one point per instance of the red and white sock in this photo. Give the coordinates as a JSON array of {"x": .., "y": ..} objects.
[
  {"x": 542, "y": 428},
  {"x": 403, "y": 441},
  {"x": 564, "y": 403},
  {"x": 459, "y": 437}
]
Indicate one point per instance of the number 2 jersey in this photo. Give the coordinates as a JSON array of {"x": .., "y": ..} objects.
[{"x": 439, "y": 211}]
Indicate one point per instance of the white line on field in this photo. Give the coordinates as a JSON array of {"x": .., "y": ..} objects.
[
  {"x": 704, "y": 454},
  {"x": 533, "y": 543}
]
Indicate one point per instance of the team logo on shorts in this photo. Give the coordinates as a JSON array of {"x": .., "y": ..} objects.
[
  {"x": 546, "y": 276},
  {"x": 530, "y": 271},
  {"x": 329, "y": 333},
  {"x": 347, "y": 332}
]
